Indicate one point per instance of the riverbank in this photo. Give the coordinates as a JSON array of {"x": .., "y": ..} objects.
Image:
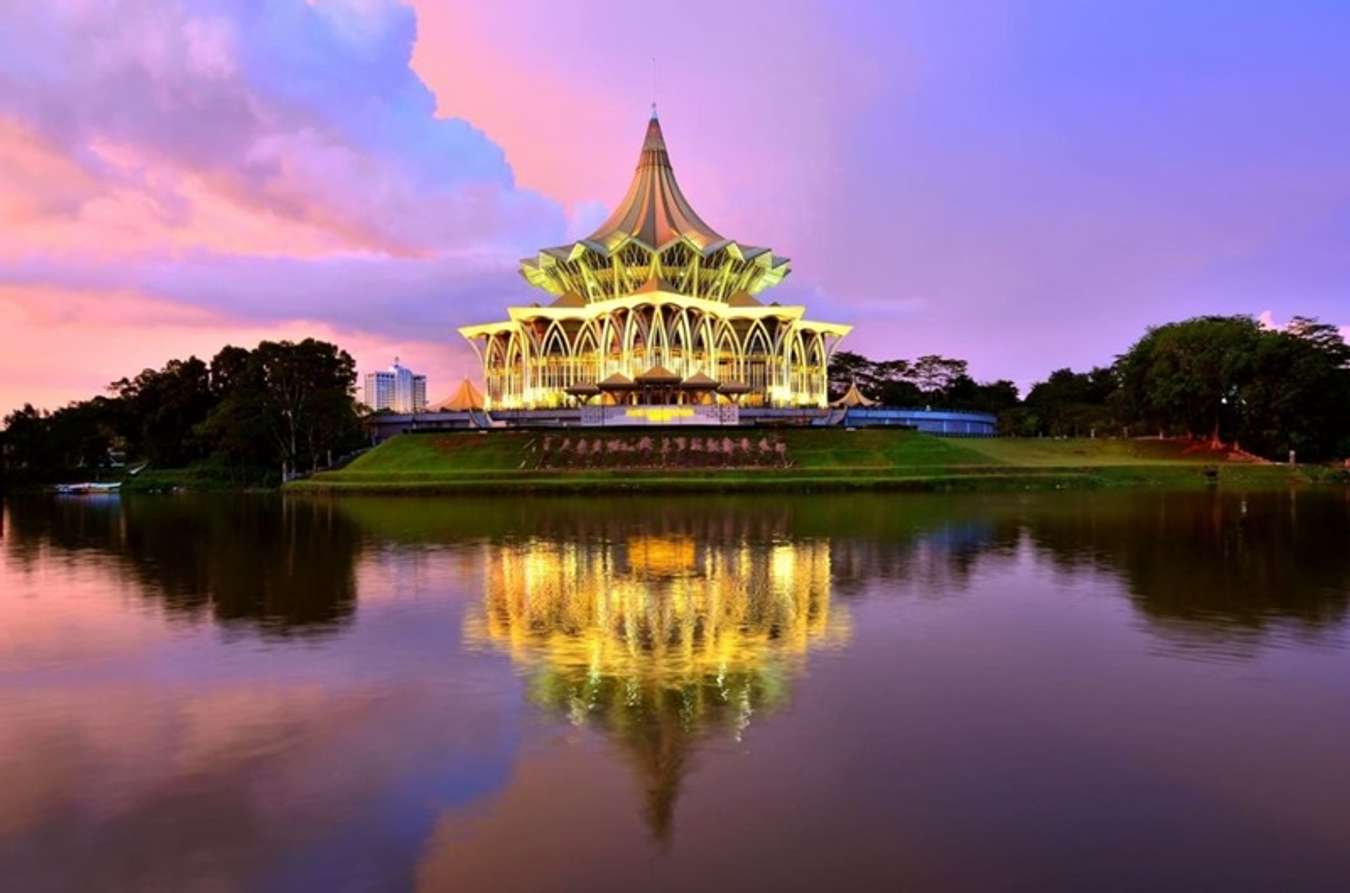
[{"x": 796, "y": 459}]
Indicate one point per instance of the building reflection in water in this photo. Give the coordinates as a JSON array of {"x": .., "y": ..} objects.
[{"x": 658, "y": 640}]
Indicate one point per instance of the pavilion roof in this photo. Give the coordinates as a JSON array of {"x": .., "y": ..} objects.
[
  {"x": 657, "y": 375},
  {"x": 699, "y": 381},
  {"x": 465, "y": 397},
  {"x": 853, "y": 397}
]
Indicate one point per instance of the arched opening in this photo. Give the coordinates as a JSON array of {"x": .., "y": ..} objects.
[{"x": 758, "y": 359}]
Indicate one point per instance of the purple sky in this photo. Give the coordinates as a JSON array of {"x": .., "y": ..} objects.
[{"x": 1024, "y": 185}]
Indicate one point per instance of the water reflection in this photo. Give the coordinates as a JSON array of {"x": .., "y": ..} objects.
[
  {"x": 658, "y": 640},
  {"x": 1215, "y": 568},
  {"x": 283, "y": 566},
  {"x": 950, "y": 691},
  {"x": 1205, "y": 565}
]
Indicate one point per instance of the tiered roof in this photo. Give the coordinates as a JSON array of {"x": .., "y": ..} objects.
[{"x": 654, "y": 240}]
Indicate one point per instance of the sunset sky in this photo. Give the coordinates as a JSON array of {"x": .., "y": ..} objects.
[{"x": 1026, "y": 185}]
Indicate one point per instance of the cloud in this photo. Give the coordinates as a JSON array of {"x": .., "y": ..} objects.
[
  {"x": 306, "y": 113},
  {"x": 393, "y": 296},
  {"x": 267, "y": 164}
]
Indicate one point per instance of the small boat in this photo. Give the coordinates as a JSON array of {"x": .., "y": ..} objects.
[{"x": 88, "y": 488}]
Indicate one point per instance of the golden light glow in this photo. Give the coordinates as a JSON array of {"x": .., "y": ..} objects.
[
  {"x": 658, "y": 639},
  {"x": 657, "y": 610},
  {"x": 659, "y": 414}
]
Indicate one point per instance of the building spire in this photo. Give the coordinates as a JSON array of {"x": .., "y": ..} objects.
[{"x": 654, "y": 211}]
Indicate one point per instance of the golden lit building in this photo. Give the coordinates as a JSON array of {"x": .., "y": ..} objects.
[{"x": 654, "y": 307}]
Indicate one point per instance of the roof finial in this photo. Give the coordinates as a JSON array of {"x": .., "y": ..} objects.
[{"x": 653, "y": 88}]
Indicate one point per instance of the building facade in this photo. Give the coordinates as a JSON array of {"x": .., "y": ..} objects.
[
  {"x": 655, "y": 307},
  {"x": 396, "y": 390},
  {"x": 417, "y": 394}
]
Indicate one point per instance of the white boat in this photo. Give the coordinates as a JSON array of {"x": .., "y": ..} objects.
[{"x": 88, "y": 488}]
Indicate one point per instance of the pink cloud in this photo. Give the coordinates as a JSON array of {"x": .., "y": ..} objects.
[
  {"x": 179, "y": 183},
  {"x": 336, "y": 133}
]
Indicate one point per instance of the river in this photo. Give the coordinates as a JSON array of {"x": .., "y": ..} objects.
[{"x": 1105, "y": 690}]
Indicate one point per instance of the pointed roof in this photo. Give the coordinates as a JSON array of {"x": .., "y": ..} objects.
[
  {"x": 654, "y": 211},
  {"x": 616, "y": 381},
  {"x": 657, "y": 375},
  {"x": 465, "y": 398},
  {"x": 653, "y": 215},
  {"x": 699, "y": 382},
  {"x": 853, "y": 397}
]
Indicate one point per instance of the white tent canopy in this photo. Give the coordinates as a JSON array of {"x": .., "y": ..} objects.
[{"x": 853, "y": 397}]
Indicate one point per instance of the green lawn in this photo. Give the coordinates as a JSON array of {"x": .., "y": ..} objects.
[
  {"x": 502, "y": 461},
  {"x": 457, "y": 453},
  {"x": 1088, "y": 453}
]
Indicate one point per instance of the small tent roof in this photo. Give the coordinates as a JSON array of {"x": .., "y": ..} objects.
[
  {"x": 699, "y": 382},
  {"x": 853, "y": 397},
  {"x": 465, "y": 398}
]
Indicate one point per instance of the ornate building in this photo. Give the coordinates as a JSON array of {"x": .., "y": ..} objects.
[{"x": 654, "y": 307}]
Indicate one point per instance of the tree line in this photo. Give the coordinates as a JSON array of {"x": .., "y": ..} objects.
[
  {"x": 260, "y": 415},
  {"x": 1224, "y": 379},
  {"x": 256, "y": 416},
  {"x": 931, "y": 381}
]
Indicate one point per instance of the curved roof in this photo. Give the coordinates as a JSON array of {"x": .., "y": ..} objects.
[
  {"x": 654, "y": 211},
  {"x": 465, "y": 397},
  {"x": 853, "y": 397},
  {"x": 654, "y": 215}
]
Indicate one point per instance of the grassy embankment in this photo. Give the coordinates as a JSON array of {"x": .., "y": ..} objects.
[
  {"x": 203, "y": 477},
  {"x": 511, "y": 461}
]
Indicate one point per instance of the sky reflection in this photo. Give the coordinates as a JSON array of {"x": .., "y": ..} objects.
[{"x": 561, "y": 693}]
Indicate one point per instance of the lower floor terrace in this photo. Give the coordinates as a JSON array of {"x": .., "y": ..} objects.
[{"x": 722, "y": 414}]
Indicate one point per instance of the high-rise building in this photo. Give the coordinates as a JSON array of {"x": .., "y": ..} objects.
[
  {"x": 398, "y": 389},
  {"x": 380, "y": 390},
  {"x": 419, "y": 393}
]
